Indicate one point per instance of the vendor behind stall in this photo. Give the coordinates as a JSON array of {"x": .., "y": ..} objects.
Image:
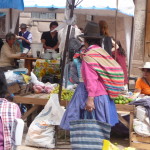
[
  {"x": 143, "y": 83},
  {"x": 8, "y": 52},
  {"x": 26, "y": 38},
  {"x": 49, "y": 38}
]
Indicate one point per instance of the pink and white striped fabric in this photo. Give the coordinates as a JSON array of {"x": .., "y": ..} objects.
[
  {"x": 108, "y": 69},
  {"x": 8, "y": 112}
]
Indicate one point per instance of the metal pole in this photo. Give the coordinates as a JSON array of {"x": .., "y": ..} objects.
[
  {"x": 66, "y": 48},
  {"x": 10, "y": 19},
  {"x": 116, "y": 29},
  {"x": 131, "y": 47}
]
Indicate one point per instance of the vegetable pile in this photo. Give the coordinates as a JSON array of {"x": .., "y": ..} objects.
[
  {"x": 122, "y": 100},
  {"x": 65, "y": 95}
]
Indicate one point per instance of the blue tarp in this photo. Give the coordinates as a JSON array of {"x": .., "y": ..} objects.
[
  {"x": 2, "y": 14},
  {"x": 15, "y": 4}
]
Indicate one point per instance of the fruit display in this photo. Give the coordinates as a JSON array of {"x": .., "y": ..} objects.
[
  {"x": 122, "y": 100},
  {"x": 47, "y": 88},
  {"x": 65, "y": 95}
]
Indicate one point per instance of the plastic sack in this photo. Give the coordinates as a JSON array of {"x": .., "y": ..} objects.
[
  {"x": 107, "y": 145},
  {"x": 34, "y": 79},
  {"x": 141, "y": 113},
  {"x": 12, "y": 77},
  {"x": 141, "y": 128},
  {"x": 41, "y": 131}
]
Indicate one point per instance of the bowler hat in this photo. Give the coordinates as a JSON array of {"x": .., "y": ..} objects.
[
  {"x": 91, "y": 30},
  {"x": 23, "y": 25}
]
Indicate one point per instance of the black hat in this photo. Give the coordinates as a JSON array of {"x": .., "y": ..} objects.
[
  {"x": 91, "y": 30},
  {"x": 23, "y": 25}
]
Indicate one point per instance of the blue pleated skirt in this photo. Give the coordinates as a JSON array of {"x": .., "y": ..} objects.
[{"x": 105, "y": 110}]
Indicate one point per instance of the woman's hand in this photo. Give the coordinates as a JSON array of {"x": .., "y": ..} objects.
[
  {"x": 23, "y": 55},
  {"x": 90, "y": 104}
]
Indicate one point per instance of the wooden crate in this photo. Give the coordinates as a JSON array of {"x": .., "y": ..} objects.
[
  {"x": 140, "y": 142},
  {"x": 13, "y": 88}
]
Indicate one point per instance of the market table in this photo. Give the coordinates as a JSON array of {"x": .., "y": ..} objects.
[
  {"x": 41, "y": 99},
  {"x": 28, "y": 62},
  {"x": 36, "y": 100},
  {"x": 42, "y": 66}
]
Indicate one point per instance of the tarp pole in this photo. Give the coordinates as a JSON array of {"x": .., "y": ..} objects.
[
  {"x": 131, "y": 50},
  {"x": 71, "y": 6},
  {"x": 10, "y": 15}
]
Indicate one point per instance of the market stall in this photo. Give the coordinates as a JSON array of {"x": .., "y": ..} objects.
[
  {"x": 49, "y": 66},
  {"x": 41, "y": 93},
  {"x": 41, "y": 100}
]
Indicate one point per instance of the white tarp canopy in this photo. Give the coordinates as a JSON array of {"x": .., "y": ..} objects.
[
  {"x": 124, "y": 6},
  {"x": 92, "y": 7}
]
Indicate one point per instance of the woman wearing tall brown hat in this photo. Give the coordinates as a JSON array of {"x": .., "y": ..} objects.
[{"x": 95, "y": 91}]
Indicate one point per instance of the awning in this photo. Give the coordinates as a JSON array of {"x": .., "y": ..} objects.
[
  {"x": 15, "y": 4},
  {"x": 124, "y": 6}
]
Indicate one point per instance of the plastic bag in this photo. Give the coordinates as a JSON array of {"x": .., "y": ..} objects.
[
  {"x": 12, "y": 77},
  {"x": 141, "y": 128},
  {"x": 34, "y": 79},
  {"x": 41, "y": 131},
  {"x": 141, "y": 113},
  {"x": 107, "y": 145}
]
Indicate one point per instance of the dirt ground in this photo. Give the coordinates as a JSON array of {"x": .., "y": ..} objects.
[{"x": 122, "y": 143}]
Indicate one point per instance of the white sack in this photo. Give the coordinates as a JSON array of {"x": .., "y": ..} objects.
[
  {"x": 41, "y": 131},
  {"x": 141, "y": 128}
]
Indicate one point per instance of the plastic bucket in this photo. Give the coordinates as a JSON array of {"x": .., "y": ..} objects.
[{"x": 36, "y": 47}]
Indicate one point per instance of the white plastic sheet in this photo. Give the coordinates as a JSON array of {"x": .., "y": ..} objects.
[{"x": 124, "y": 6}]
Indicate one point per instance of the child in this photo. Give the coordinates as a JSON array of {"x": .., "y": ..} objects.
[{"x": 8, "y": 112}]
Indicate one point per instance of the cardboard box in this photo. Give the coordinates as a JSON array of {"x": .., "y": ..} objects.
[{"x": 14, "y": 88}]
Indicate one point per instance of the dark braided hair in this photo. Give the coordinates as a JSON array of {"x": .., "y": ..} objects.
[
  {"x": 92, "y": 41},
  {"x": 3, "y": 85},
  {"x": 121, "y": 51}
]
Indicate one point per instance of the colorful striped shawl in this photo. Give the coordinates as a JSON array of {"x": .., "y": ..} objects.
[{"x": 109, "y": 70}]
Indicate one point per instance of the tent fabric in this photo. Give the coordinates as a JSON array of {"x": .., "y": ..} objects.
[
  {"x": 124, "y": 6},
  {"x": 2, "y": 14},
  {"x": 15, "y": 4}
]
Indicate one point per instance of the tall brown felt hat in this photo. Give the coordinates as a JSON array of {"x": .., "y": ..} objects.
[{"x": 91, "y": 30}]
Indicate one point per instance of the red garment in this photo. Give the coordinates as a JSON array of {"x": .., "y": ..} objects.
[{"x": 121, "y": 59}]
